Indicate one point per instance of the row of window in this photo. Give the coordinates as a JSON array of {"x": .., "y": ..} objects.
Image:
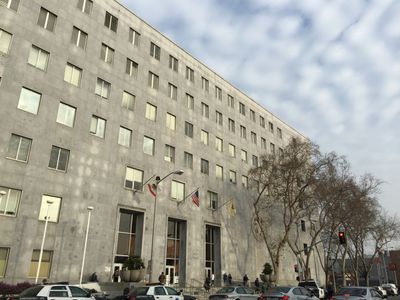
[
  {"x": 45, "y": 264},
  {"x": 39, "y": 58}
]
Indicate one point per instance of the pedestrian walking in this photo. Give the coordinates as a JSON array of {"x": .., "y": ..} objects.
[
  {"x": 257, "y": 284},
  {"x": 245, "y": 280},
  {"x": 225, "y": 278},
  {"x": 229, "y": 279},
  {"x": 161, "y": 278},
  {"x": 206, "y": 284}
]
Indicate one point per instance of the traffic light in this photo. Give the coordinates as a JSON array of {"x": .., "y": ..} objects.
[{"x": 342, "y": 237}]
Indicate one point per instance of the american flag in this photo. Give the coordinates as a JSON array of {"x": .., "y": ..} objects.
[{"x": 195, "y": 198}]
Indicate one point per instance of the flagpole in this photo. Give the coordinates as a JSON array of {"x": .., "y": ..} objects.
[{"x": 190, "y": 194}]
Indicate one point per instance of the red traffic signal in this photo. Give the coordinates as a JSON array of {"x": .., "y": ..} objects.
[{"x": 342, "y": 237}]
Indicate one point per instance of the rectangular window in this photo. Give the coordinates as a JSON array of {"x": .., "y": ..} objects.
[
  {"x": 188, "y": 160},
  {"x": 148, "y": 145},
  {"x": 107, "y": 54},
  {"x": 219, "y": 172},
  {"x": 243, "y": 156},
  {"x": 255, "y": 161},
  {"x": 231, "y": 125},
  {"x": 79, "y": 37},
  {"x": 279, "y": 131},
  {"x": 173, "y": 63},
  {"x": 205, "y": 112},
  {"x": 50, "y": 208},
  {"x": 85, "y": 6},
  {"x": 189, "y": 129},
  {"x": 252, "y": 115},
  {"x": 97, "y": 126},
  {"x": 170, "y": 121},
  {"x": 172, "y": 91},
  {"x": 9, "y": 202},
  {"x": 131, "y": 68},
  {"x": 169, "y": 153},
  {"x": 133, "y": 179},
  {"x": 153, "y": 81},
  {"x": 134, "y": 37},
  {"x": 47, "y": 19},
  {"x": 45, "y": 264},
  {"x": 38, "y": 58},
  {"x": 72, "y": 74},
  {"x": 58, "y": 158},
  {"x": 102, "y": 88},
  {"x": 218, "y": 93},
  {"x": 177, "y": 190},
  {"x": 242, "y": 132},
  {"x": 219, "y": 144},
  {"x": 242, "y": 108},
  {"x": 204, "y": 137},
  {"x": 303, "y": 225},
  {"x": 111, "y": 22},
  {"x": 11, "y": 4},
  {"x": 19, "y": 148},
  {"x": 189, "y": 102},
  {"x": 232, "y": 150},
  {"x": 232, "y": 176},
  {"x": 262, "y": 122},
  {"x": 271, "y": 127},
  {"x": 29, "y": 100},
  {"x": 218, "y": 118},
  {"x": 155, "y": 51},
  {"x": 4, "y": 252},
  {"x": 151, "y": 112},
  {"x": 231, "y": 101},
  {"x": 263, "y": 143},
  {"x": 5, "y": 41},
  {"x": 254, "y": 138},
  {"x": 204, "y": 84},
  {"x": 204, "y": 166},
  {"x": 128, "y": 101},
  {"x": 189, "y": 74},
  {"x": 245, "y": 182},
  {"x": 212, "y": 200},
  {"x": 66, "y": 114},
  {"x": 272, "y": 148},
  {"x": 124, "y": 136}
]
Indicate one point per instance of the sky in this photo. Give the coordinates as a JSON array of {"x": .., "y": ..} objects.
[{"x": 329, "y": 68}]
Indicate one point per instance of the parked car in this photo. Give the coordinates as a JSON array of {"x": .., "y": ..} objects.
[
  {"x": 54, "y": 292},
  {"x": 288, "y": 292},
  {"x": 356, "y": 293},
  {"x": 235, "y": 293},
  {"x": 313, "y": 286},
  {"x": 155, "y": 292},
  {"x": 391, "y": 289},
  {"x": 96, "y": 294},
  {"x": 381, "y": 291}
]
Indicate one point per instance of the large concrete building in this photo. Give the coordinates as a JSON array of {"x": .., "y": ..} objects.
[{"x": 95, "y": 103}]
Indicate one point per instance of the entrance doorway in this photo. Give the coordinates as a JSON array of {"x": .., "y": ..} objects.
[
  {"x": 208, "y": 272},
  {"x": 170, "y": 275}
]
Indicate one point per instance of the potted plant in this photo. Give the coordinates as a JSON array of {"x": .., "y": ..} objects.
[
  {"x": 135, "y": 267},
  {"x": 266, "y": 273}
]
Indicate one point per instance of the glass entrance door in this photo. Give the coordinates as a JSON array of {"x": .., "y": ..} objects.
[{"x": 170, "y": 275}]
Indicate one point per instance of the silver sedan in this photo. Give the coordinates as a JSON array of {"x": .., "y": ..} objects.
[
  {"x": 288, "y": 292},
  {"x": 234, "y": 293}
]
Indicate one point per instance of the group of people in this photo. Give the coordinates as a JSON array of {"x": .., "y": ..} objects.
[{"x": 227, "y": 278}]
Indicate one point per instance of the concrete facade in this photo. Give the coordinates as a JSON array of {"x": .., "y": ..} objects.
[{"x": 96, "y": 169}]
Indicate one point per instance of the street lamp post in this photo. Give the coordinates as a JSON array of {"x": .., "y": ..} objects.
[
  {"x": 49, "y": 203},
  {"x": 89, "y": 208},
  {"x": 158, "y": 181}
]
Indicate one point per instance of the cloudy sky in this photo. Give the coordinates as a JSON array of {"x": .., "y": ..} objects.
[{"x": 329, "y": 68}]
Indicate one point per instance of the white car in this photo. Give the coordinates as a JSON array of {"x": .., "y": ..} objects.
[
  {"x": 392, "y": 287},
  {"x": 55, "y": 292},
  {"x": 159, "y": 292}
]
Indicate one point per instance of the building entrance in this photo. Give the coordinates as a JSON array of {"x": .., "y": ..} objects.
[
  {"x": 175, "y": 261},
  {"x": 170, "y": 275}
]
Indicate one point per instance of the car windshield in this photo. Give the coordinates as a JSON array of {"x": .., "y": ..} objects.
[
  {"x": 307, "y": 283},
  {"x": 226, "y": 290},
  {"x": 32, "y": 291},
  {"x": 140, "y": 291},
  {"x": 279, "y": 289},
  {"x": 352, "y": 292}
]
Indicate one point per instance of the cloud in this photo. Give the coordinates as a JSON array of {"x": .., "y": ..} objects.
[{"x": 330, "y": 69}]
